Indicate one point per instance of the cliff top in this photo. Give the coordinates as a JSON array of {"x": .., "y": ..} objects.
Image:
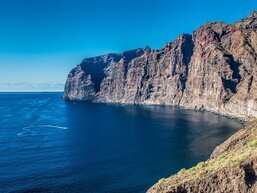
[{"x": 248, "y": 22}]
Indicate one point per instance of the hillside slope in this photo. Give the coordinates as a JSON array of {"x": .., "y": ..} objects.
[{"x": 232, "y": 168}]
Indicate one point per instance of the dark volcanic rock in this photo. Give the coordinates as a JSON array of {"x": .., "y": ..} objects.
[{"x": 215, "y": 69}]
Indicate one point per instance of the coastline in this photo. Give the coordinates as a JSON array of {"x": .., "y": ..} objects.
[
  {"x": 241, "y": 119},
  {"x": 159, "y": 187},
  {"x": 230, "y": 168}
]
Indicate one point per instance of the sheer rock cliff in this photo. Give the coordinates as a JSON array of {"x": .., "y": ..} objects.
[{"x": 213, "y": 69}]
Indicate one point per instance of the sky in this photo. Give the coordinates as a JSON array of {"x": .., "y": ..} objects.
[{"x": 42, "y": 40}]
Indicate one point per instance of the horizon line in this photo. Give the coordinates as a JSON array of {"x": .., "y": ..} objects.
[{"x": 2, "y": 91}]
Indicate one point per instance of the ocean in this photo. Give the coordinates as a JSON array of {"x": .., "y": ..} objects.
[{"x": 55, "y": 146}]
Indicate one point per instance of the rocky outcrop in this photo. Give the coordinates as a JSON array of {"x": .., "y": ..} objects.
[
  {"x": 213, "y": 69},
  {"x": 85, "y": 81},
  {"x": 232, "y": 168}
]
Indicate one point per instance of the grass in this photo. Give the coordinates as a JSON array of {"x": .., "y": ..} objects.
[
  {"x": 182, "y": 171},
  {"x": 202, "y": 169},
  {"x": 253, "y": 144}
]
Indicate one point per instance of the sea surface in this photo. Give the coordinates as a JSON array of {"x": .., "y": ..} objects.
[{"x": 53, "y": 146}]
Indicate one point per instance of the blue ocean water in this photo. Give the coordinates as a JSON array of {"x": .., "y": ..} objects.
[{"x": 50, "y": 145}]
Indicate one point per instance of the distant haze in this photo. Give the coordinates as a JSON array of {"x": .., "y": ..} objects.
[{"x": 30, "y": 87}]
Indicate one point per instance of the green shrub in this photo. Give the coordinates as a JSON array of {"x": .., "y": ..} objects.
[
  {"x": 200, "y": 165},
  {"x": 253, "y": 144},
  {"x": 161, "y": 180},
  {"x": 182, "y": 171}
]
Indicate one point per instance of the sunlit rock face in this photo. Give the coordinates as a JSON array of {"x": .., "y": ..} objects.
[{"x": 213, "y": 69}]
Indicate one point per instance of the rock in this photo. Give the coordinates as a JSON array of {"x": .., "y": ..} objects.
[
  {"x": 232, "y": 168},
  {"x": 84, "y": 81},
  {"x": 213, "y": 69}
]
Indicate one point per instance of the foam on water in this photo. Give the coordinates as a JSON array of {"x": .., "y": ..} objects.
[{"x": 29, "y": 129}]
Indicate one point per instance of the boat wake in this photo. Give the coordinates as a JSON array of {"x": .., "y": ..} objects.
[{"x": 31, "y": 129}]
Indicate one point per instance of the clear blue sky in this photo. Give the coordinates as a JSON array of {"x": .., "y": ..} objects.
[{"x": 41, "y": 40}]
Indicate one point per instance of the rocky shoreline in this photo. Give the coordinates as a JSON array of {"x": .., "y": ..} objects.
[{"x": 214, "y": 69}]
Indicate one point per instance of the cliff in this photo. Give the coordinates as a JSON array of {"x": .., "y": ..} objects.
[
  {"x": 232, "y": 168},
  {"x": 213, "y": 69}
]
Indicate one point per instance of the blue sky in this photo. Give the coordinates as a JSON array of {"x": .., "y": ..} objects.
[{"x": 42, "y": 40}]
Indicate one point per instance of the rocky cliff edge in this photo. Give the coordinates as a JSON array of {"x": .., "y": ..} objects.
[{"x": 213, "y": 69}]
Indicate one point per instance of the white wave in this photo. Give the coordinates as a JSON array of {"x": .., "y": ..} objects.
[
  {"x": 32, "y": 132},
  {"x": 18, "y": 134},
  {"x": 54, "y": 126},
  {"x": 27, "y": 130}
]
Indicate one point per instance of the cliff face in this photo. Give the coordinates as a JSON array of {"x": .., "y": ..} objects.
[
  {"x": 86, "y": 81},
  {"x": 214, "y": 69},
  {"x": 222, "y": 70},
  {"x": 232, "y": 168}
]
